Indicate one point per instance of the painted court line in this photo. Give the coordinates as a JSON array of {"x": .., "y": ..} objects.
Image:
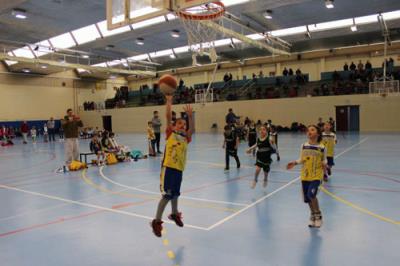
[
  {"x": 359, "y": 208},
  {"x": 352, "y": 205},
  {"x": 252, "y": 205},
  {"x": 103, "y": 189},
  {"x": 53, "y": 207},
  {"x": 350, "y": 148},
  {"x": 158, "y": 193},
  {"x": 93, "y": 206},
  {"x": 275, "y": 191}
]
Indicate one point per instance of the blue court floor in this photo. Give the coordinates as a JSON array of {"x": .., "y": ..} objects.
[{"x": 101, "y": 216}]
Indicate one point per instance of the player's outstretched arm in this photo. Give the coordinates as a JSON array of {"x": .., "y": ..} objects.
[
  {"x": 189, "y": 111},
  {"x": 168, "y": 112}
]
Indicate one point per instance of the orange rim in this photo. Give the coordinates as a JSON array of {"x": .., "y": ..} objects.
[{"x": 218, "y": 11}]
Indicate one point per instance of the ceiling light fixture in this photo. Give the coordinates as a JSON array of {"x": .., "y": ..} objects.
[
  {"x": 26, "y": 70},
  {"x": 140, "y": 41},
  {"x": 172, "y": 56},
  {"x": 268, "y": 14},
  {"x": 175, "y": 33},
  {"x": 109, "y": 47},
  {"x": 85, "y": 56},
  {"x": 19, "y": 13},
  {"x": 43, "y": 66},
  {"x": 329, "y": 4}
]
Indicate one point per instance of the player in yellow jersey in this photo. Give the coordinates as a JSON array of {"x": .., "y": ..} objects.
[
  {"x": 312, "y": 158},
  {"x": 330, "y": 141},
  {"x": 173, "y": 164}
]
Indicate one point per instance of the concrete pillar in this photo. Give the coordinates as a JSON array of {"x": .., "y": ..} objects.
[
  {"x": 240, "y": 73},
  {"x": 278, "y": 71}
]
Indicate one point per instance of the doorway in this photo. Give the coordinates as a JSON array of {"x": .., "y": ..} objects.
[
  {"x": 348, "y": 118},
  {"x": 107, "y": 123}
]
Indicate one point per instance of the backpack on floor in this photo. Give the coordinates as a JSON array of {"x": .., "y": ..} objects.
[
  {"x": 111, "y": 159},
  {"x": 76, "y": 166}
]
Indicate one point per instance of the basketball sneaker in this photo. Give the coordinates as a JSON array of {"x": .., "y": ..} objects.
[
  {"x": 312, "y": 221},
  {"x": 253, "y": 184},
  {"x": 329, "y": 171},
  {"x": 177, "y": 218},
  {"x": 318, "y": 220},
  {"x": 157, "y": 227},
  {"x": 265, "y": 183}
]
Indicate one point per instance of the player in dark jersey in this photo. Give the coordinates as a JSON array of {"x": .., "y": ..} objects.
[
  {"x": 231, "y": 144},
  {"x": 264, "y": 151}
]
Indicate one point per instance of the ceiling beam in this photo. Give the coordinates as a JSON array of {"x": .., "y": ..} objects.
[
  {"x": 311, "y": 55},
  {"x": 245, "y": 39},
  {"x": 142, "y": 73}
]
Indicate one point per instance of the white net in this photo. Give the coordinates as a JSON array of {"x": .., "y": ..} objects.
[
  {"x": 200, "y": 36},
  {"x": 384, "y": 88}
]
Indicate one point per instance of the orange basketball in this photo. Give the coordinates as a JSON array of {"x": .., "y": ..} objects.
[{"x": 167, "y": 84}]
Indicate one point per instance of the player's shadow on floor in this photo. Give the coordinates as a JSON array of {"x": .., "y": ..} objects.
[
  {"x": 179, "y": 256},
  {"x": 311, "y": 256}
]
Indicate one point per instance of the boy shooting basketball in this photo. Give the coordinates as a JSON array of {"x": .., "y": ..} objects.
[{"x": 173, "y": 164}]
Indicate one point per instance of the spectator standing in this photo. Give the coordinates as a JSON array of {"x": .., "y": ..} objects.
[
  {"x": 320, "y": 123},
  {"x": 346, "y": 67},
  {"x": 156, "y": 123},
  {"x": 368, "y": 66},
  {"x": 51, "y": 126},
  {"x": 25, "y": 131},
  {"x": 231, "y": 118},
  {"x": 290, "y": 72},
  {"x": 285, "y": 72},
  {"x": 70, "y": 125},
  {"x": 390, "y": 66},
  {"x": 360, "y": 66},
  {"x": 353, "y": 66},
  {"x": 333, "y": 124}
]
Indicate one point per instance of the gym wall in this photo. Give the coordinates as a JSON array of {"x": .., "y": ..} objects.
[
  {"x": 377, "y": 114},
  {"x": 24, "y": 97}
]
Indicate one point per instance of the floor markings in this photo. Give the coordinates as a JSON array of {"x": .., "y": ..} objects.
[
  {"x": 253, "y": 204},
  {"x": 93, "y": 206},
  {"x": 158, "y": 193},
  {"x": 359, "y": 208},
  {"x": 352, "y": 205}
]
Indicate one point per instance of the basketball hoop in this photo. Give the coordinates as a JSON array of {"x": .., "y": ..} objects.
[{"x": 200, "y": 36}]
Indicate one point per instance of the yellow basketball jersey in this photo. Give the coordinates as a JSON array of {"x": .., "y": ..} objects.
[
  {"x": 329, "y": 141},
  {"x": 175, "y": 151},
  {"x": 312, "y": 158}
]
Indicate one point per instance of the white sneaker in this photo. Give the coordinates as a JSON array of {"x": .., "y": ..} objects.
[
  {"x": 318, "y": 223},
  {"x": 312, "y": 221},
  {"x": 253, "y": 184}
]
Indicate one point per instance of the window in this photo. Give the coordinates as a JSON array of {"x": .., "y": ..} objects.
[
  {"x": 289, "y": 31},
  {"x": 63, "y": 41},
  {"x": 24, "y": 52},
  {"x": 86, "y": 34},
  {"x": 105, "y": 32},
  {"x": 331, "y": 25}
]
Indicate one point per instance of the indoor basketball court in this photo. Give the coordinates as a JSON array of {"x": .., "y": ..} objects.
[{"x": 192, "y": 132}]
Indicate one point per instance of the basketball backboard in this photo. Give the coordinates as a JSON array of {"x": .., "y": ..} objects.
[{"x": 124, "y": 12}]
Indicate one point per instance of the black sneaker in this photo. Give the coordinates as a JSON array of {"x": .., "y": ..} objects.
[
  {"x": 238, "y": 166},
  {"x": 329, "y": 171},
  {"x": 325, "y": 178},
  {"x": 226, "y": 169},
  {"x": 177, "y": 218},
  {"x": 157, "y": 227},
  {"x": 278, "y": 158}
]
